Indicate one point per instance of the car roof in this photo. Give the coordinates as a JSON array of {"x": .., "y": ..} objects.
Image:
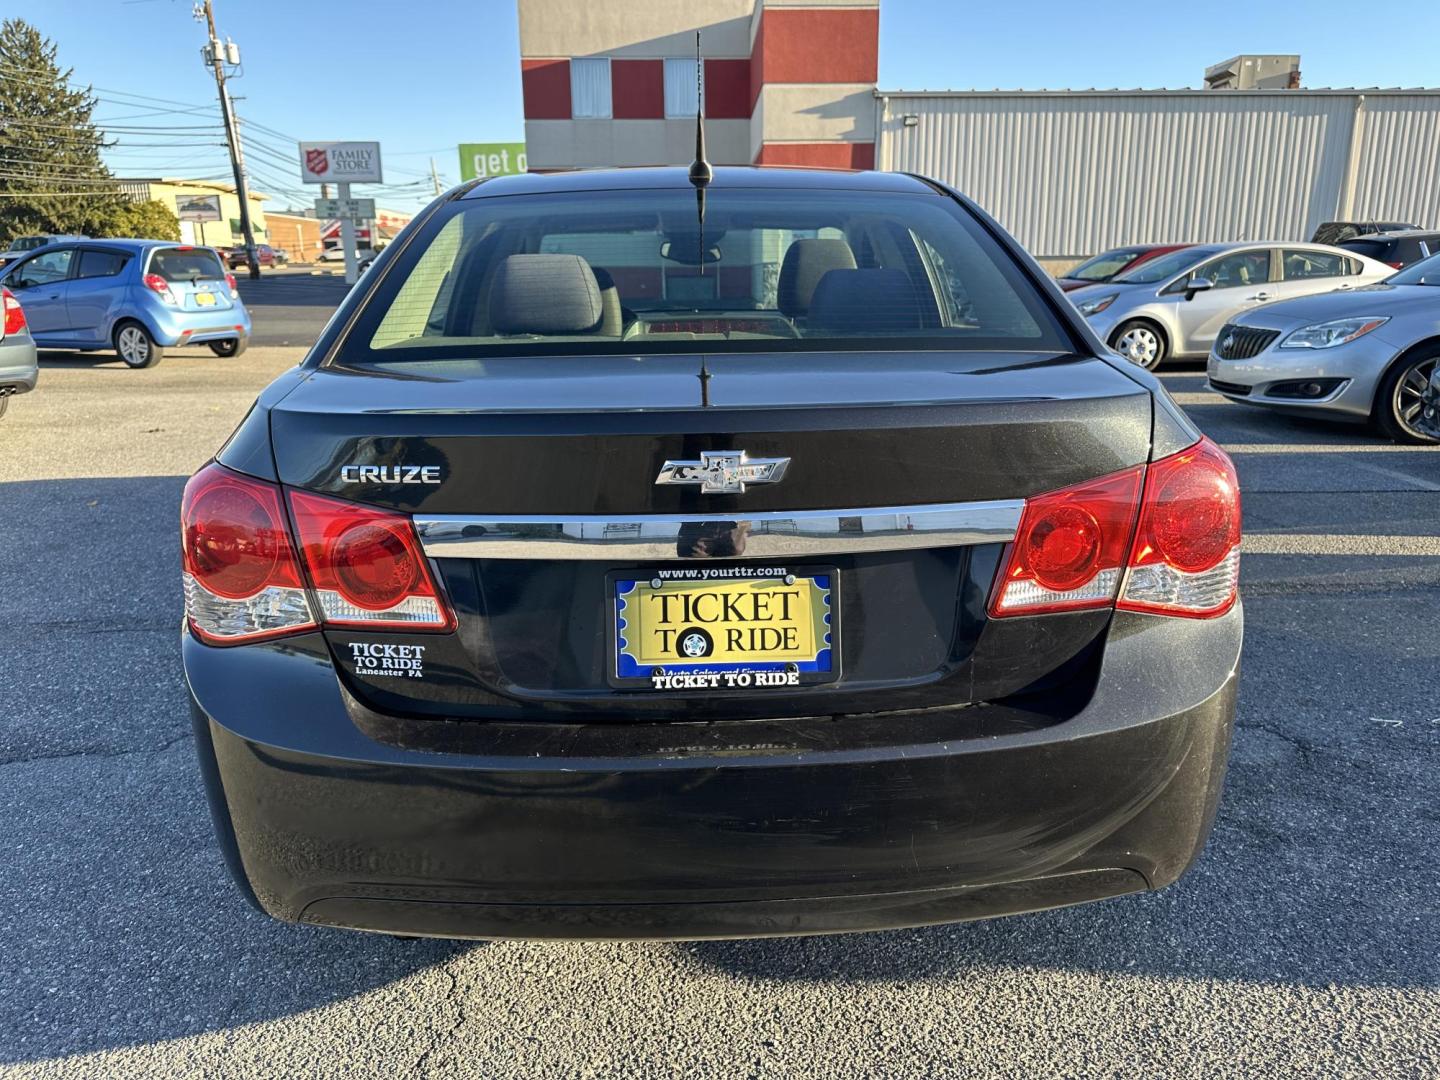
[
  {"x": 1397, "y": 234},
  {"x": 677, "y": 177}
]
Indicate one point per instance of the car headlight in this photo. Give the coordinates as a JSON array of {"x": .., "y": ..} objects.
[
  {"x": 1327, "y": 335},
  {"x": 1099, "y": 304}
]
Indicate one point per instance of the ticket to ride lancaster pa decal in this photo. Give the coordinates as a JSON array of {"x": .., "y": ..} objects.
[{"x": 725, "y": 628}]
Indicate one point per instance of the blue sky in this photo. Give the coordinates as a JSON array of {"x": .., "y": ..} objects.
[{"x": 425, "y": 75}]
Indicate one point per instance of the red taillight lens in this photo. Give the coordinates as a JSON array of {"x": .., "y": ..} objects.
[
  {"x": 1070, "y": 547},
  {"x": 367, "y": 566},
  {"x": 242, "y": 580},
  {"x": 158, "y": 284},
  {"x": 234, "y": 288},
  {"x": 1186, "y": 558},
  {"x": 14, "y": 313},
  {"x": 1074, "y": 546},
  {"x": 1398, "y": 265}
]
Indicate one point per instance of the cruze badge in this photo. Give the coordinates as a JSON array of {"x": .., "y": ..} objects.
[
  {"x": 390, "y": 474},
  {"x": 723, "y": 472}
]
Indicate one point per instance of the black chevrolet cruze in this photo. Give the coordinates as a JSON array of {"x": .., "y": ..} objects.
[{"x": 638, "y": 558}]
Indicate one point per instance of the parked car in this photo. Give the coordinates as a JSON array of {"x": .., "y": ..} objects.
[
  {"x": 1367, "y": 355},
  {"x": 264, "y": 255},
  {"x": 21, "y": 244},
  {"x": 1176, "y": 304},
  {"x": 19, "y": 364},
  {"x": 543, "y": 600},
  {"x": 1396, "y": 249},
  {"x": 1109, "y": 264},
  {"x": 138, "y": 297},
  {"x": 335, "y": 254},
  {"x": 1334, "y": 232},
  {"x": 1429, "y": 422}
]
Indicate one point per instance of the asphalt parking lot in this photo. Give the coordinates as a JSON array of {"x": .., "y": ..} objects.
[{"x": 1305, "y": 943}]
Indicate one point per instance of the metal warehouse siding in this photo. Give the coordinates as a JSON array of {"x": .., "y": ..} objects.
[{"x": 1071, "y": 174}]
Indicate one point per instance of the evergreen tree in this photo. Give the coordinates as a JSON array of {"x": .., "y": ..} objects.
[{"x": 52, "y": 178}]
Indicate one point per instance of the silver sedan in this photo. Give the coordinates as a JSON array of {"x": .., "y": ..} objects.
[
  {"x": 1176, "y": 304},
  {"x": 1365, "y": 356},
  {"x": 18, "y": 364}
]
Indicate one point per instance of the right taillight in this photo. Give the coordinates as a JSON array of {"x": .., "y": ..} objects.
[
  {"x": 1162, "y": 538},
  {"x": 1186, "y": 556},
  {"x": 14, "y": 313}
]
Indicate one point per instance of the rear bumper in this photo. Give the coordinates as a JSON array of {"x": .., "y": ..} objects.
[
  {"x": 19, "y": 364},
  {"x": 727, "y": 830},
  {"x": 172, "y": 327}
]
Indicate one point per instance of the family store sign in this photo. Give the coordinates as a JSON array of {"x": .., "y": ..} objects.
[{"x": 340, "y": 163}]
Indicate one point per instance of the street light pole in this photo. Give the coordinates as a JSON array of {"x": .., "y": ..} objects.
[{"x": 232, "y": 139}]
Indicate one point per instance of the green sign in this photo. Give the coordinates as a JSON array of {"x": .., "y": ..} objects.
[{"x": 483, "y": 159}]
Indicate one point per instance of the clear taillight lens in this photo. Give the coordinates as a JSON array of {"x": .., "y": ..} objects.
[
  {"x": 242, "y": 580},
  {"x": 14, "y": 313},
  {"x": 1081, "y": 547},
  {"x": 1186, "y": 558},
  {"x": 366, "y": 566}
]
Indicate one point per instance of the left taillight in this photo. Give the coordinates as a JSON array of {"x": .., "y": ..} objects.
[
  {"x": 367, "y": 566},
  {"x": 242, "y": 577},
  {"x": 14, "y": 313},
  {"x": 158, "y": 285}
]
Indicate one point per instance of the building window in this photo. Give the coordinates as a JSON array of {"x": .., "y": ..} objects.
[
  {"x": 590, "y": 88},
  {"x": 681, "y": 89}
]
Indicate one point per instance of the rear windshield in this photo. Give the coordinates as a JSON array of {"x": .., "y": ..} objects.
[
  {"x": 186, "y": 264},
  {"x": 1372, "y": 249},
  {"x": 1106, "y": 266},
  {"x": 640, "y": 272}
]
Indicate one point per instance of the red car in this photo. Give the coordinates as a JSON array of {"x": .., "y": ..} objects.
[{"x": 1112, "y": 263}]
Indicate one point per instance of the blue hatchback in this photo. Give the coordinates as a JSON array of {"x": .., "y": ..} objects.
[{"x": 138, "y": 297}]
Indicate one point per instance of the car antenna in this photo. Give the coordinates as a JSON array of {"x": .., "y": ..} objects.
[{"x": 700, "y": 172}]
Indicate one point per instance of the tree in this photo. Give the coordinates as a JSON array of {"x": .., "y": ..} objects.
[
  {"x": 151, "y": 220},
  {"x": 52, "y": 178}
]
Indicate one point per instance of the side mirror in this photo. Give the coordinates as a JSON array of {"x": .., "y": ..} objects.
[{"x": 1198, "y": 285}]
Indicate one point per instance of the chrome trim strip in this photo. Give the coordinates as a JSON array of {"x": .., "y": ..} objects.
[{"x": 770, "y": 535}]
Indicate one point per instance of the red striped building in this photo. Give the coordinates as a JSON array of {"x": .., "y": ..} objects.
[{"x": 613, "y": 82}]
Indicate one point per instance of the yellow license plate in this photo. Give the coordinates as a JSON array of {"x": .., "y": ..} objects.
[
  {"x": 721, "y": 628},
  {"x": 205, "y": 299}
]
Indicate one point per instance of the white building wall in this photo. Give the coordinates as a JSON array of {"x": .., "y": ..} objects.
[
  {"x": 582, "y": 144},
  {"x": 1071, "y": 174},
  {"x": 635, "y": 29}
]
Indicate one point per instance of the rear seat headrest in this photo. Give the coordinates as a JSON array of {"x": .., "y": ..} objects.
[
  {"x": 544, "y": 294},
  {"x": 869, "y": 302},
  {"x": 805, "y": 263}
]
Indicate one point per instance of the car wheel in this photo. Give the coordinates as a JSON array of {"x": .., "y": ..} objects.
[
  {"x": 1399, "y": 400},
  {"x": 228, "y": 347},
  {"x": 1141, "y": 343},
  {"x": 136, "y": 347}
]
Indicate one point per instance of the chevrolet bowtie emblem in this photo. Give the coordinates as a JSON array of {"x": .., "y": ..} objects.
[{"x": 723, "y": 472}]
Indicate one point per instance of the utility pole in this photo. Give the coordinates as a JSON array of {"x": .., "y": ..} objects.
[
  {"x": 435, "y": 176},
  {"x": 216, "y": 57}
]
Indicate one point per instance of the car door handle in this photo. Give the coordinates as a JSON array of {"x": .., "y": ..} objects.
[{"x": 1259, "y": 296}]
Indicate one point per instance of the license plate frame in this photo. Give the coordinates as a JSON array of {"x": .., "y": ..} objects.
[
  {"x": 204, "y": 299},
  {"x": 626, "y": 671}
]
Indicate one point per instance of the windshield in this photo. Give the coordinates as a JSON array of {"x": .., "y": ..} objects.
[
  {"x": 1412, "y": 274},
  {"x": 185, "y": 264},
  {"x": 1166, "y": 266},
  {"x": 1105, "y": 266},
  {"x": 637, "y": 272}
]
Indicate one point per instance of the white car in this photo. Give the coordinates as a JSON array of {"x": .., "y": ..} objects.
[
  {"x": 1175, "y": 305},
  {"x": 336, "y": 254}
]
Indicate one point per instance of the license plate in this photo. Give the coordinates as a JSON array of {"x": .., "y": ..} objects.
[
  {"x": 724, "y": 628},
  {"x": 205, "y": 299}
]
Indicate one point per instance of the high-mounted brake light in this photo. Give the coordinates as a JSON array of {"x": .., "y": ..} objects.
[
  {"x": 14, "y": 313},
  {"x": 366, "y": 566},
  {"x": 1081, "y": 547},
  {"x": 242, "y": 579},
  {"x": 156, "y": 283}
]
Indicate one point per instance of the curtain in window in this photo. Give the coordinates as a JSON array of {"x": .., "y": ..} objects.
[
  {"x": 590, "y": 88},
  {"x": 681, "y": 98}
]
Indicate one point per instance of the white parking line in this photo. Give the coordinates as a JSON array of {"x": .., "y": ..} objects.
[{"x": 1339, "y": 544}]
